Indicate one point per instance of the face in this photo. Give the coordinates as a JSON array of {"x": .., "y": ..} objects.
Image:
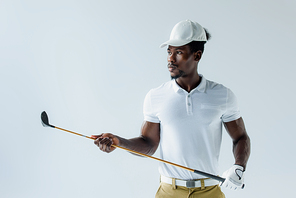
[{"x": 181, "y": 61}]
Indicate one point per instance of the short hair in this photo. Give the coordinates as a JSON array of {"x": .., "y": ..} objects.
[{"x": 199, "y": 45}]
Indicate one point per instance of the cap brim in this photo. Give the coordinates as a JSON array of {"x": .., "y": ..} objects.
[{"x": 175, "y": 43}]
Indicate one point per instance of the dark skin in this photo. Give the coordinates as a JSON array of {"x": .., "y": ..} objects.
[{"x": 182, "y": 65}]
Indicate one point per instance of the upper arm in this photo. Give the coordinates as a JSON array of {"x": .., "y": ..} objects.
[
  {"x": 236, "y": 129},
  {"x": 150, "y": 132}
]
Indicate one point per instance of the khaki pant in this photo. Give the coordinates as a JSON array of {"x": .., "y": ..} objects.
[{"x": 169, "y": 191}]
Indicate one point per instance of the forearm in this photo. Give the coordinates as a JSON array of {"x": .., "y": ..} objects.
[
  {"x": 147, "y": 143},
  {"x": 241, "y": 150},
  {"x": 139, "y": 144}
]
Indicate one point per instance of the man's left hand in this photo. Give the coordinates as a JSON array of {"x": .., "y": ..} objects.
[{"x": 234, "y": 178}]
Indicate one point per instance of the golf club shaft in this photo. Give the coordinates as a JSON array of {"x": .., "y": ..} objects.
[
  {"x": 73, "y": 132},
  {"x": 142, "y": 154}
]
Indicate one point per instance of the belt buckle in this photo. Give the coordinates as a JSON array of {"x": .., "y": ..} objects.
[{"x": 190, "y": 184}]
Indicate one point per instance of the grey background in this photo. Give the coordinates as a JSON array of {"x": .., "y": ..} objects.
[{"x": 89, "y": 64}]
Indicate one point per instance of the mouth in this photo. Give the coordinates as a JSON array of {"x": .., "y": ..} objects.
[{"x": 172, "y": 67}]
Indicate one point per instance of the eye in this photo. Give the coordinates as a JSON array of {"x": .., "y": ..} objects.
[
  {"x": 179, "y": 52},
  {"x": 169, "y": 53}
]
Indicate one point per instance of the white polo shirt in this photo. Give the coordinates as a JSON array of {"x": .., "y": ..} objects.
[{"x": 190, "y": 125}]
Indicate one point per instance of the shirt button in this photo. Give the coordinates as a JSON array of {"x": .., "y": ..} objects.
[
  {"x": 189, "y": 104},
  {"x": 188, "y": 96}
]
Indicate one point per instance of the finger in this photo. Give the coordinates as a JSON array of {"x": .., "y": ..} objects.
[
  {"x": 105, "y": 140},
  {"x": 105, "y": 144},
  {"x": 109, "y": 143},
  {"x": 225, "y": 184},
  {"x": 97, "y": 141}
]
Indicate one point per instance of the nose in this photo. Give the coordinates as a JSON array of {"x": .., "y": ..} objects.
[{"x": 171, "y": 58}]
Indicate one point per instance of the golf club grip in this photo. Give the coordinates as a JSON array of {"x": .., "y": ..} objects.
[{"x": 210, "y": 175}]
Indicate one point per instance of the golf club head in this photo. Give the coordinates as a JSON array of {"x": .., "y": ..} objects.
[{"x": 44, "y": 119}]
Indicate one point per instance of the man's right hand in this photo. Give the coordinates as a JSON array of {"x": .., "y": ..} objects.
[{"x": 105, "y": 140}]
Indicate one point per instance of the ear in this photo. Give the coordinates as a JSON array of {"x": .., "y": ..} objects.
[{"x": 197, "y": 55}]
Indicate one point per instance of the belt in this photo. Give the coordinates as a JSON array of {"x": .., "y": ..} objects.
[{"x": 189, "y": 183}]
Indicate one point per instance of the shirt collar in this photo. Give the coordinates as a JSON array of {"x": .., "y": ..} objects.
[{"x": 201, "y": 87}]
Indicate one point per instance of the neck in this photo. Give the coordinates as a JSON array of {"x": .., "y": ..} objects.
[{"x": 188, "y": 83}]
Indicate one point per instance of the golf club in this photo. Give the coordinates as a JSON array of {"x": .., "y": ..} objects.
[{"x": 45, "y": 123}]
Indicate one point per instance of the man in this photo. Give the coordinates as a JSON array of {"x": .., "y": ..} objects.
[{"x": 184, "y": 118}]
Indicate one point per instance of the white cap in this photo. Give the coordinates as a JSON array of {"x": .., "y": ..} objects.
[{"x": 184, "y": 32}]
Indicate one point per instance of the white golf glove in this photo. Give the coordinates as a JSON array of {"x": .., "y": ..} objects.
[{"x": 234, "y": 178}]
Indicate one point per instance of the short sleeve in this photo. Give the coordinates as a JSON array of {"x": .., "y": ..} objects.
[
  {"x": 149, "y": 110},
  {"x": 232, "y": 111}
]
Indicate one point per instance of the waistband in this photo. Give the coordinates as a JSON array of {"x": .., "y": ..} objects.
[{"x": 189, "y": 183}]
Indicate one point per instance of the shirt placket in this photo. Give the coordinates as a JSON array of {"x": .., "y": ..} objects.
[{"x": 189, "y": 104}]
